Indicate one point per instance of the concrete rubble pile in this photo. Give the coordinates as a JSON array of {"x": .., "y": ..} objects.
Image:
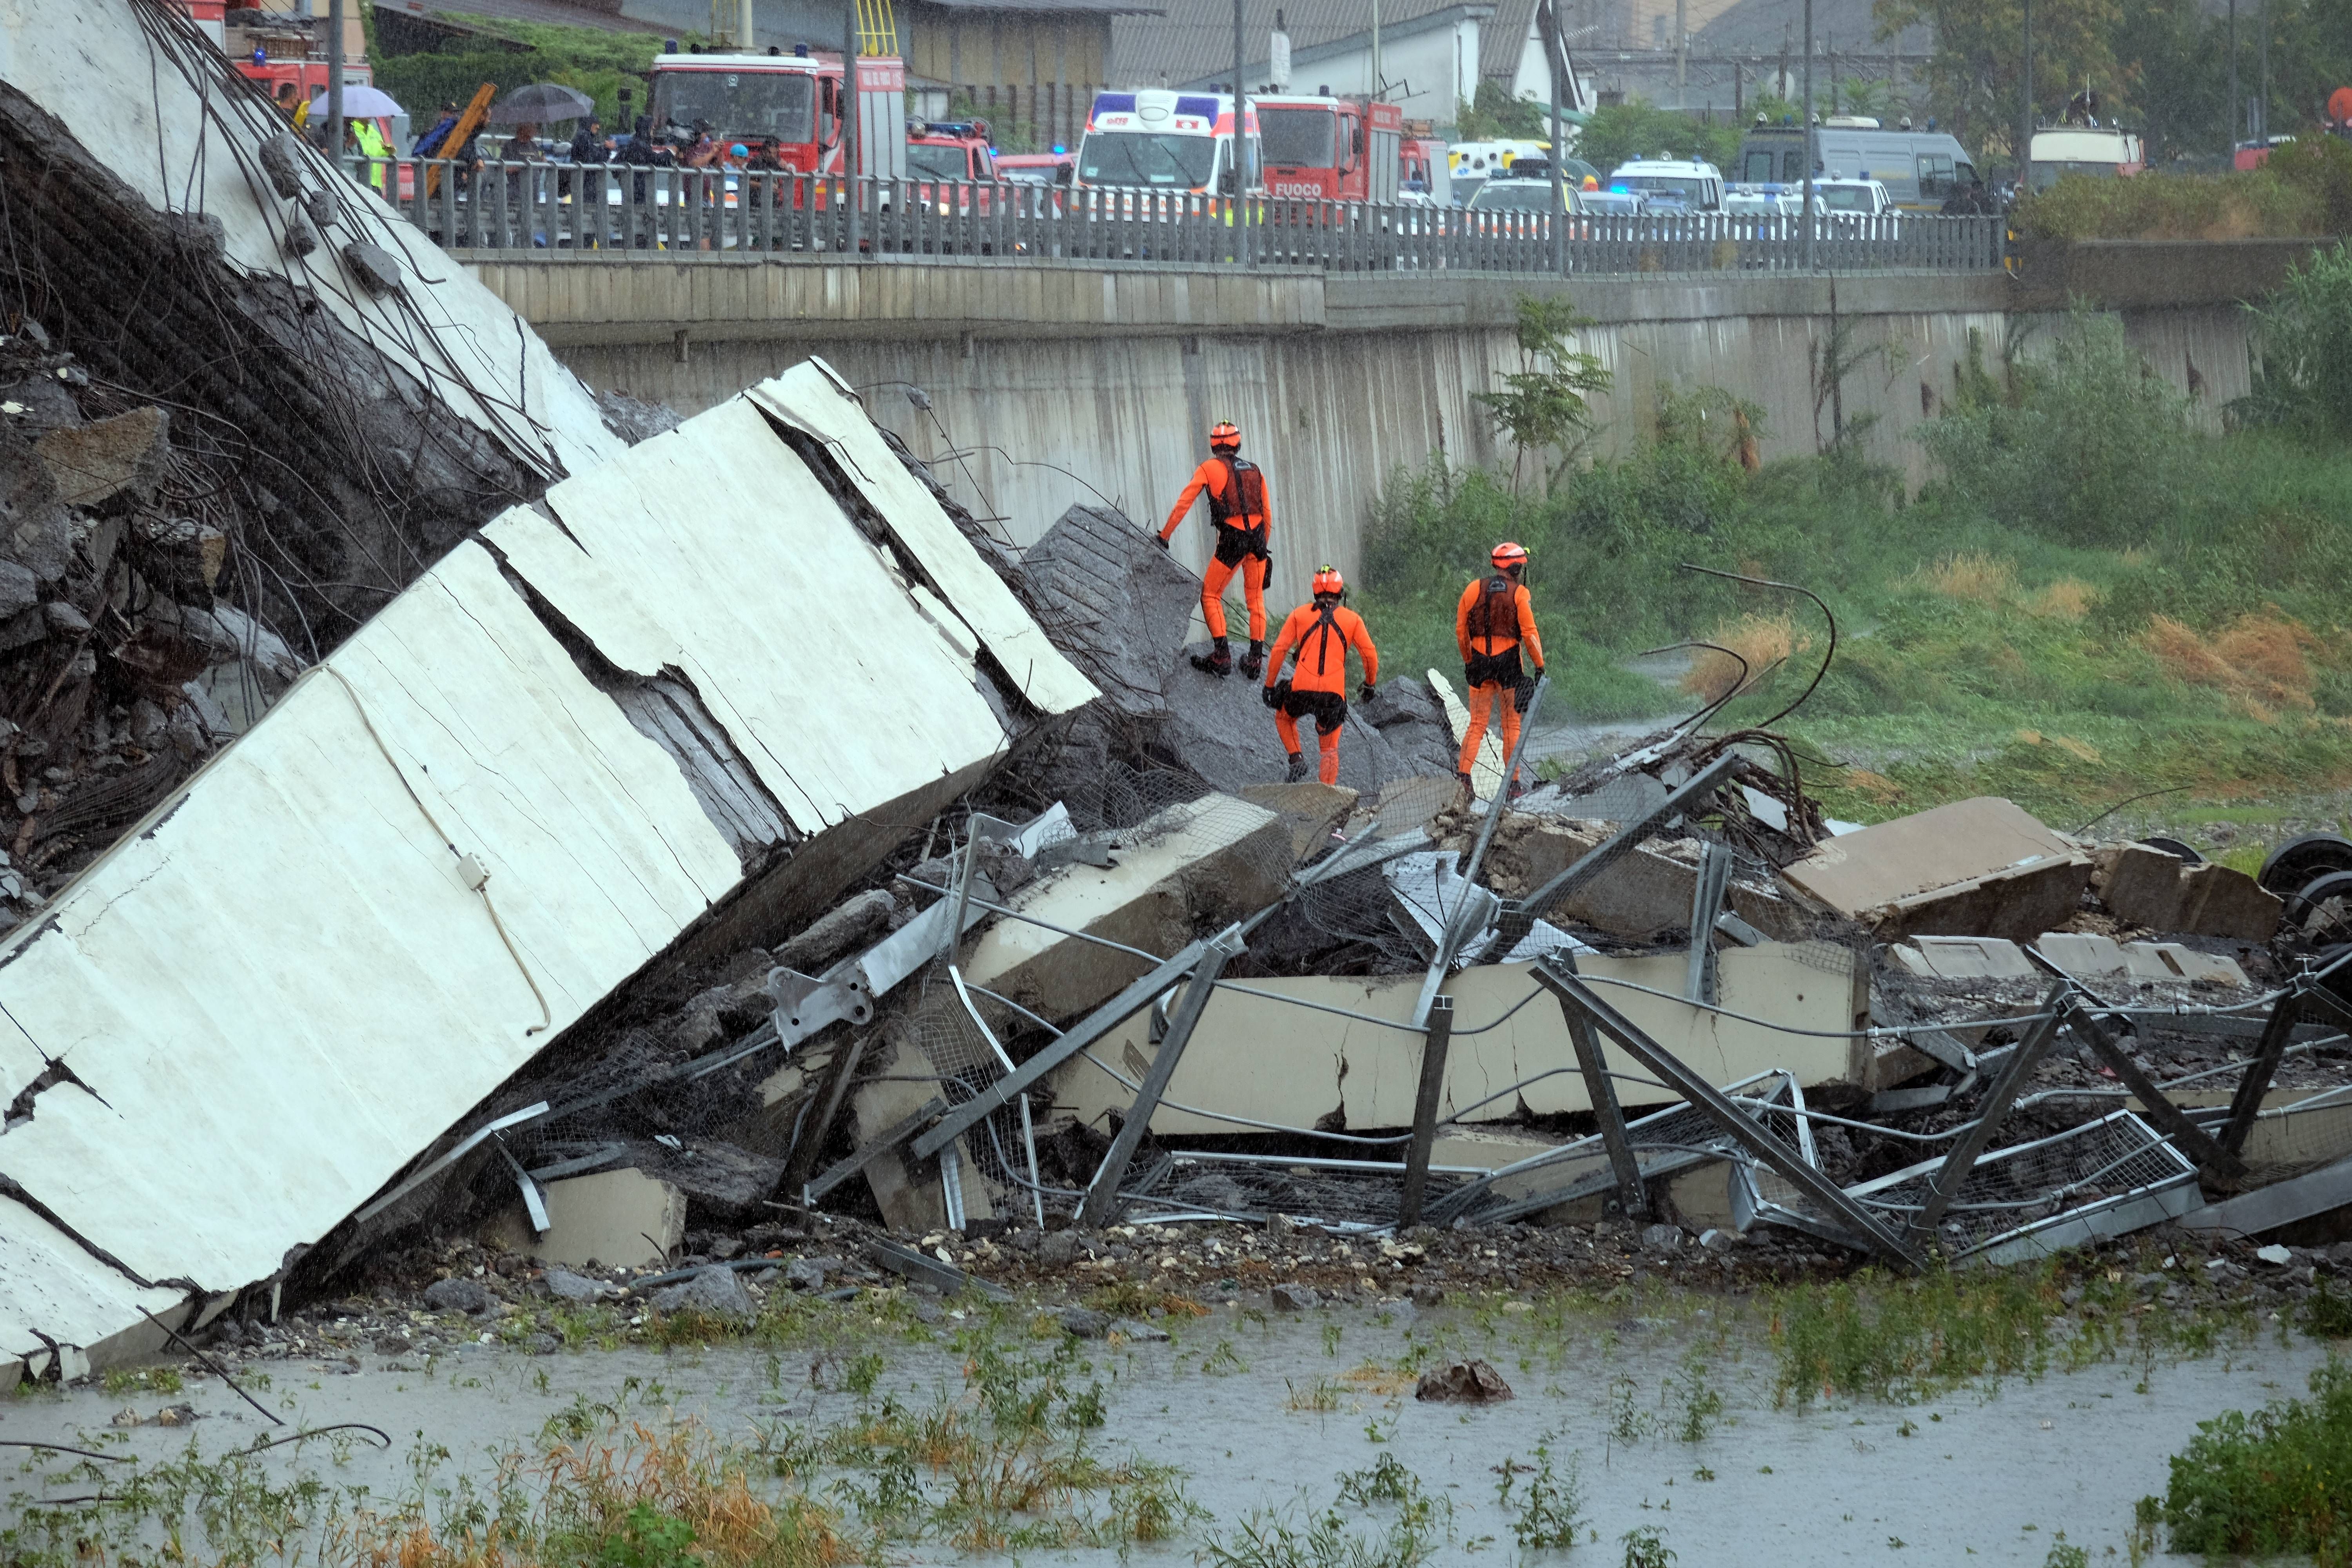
[{"x": 724, "y": 867}]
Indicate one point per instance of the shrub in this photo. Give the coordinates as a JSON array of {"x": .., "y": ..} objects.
[
  {"x": 2271, "y": 1483},
  {"x": 2089, "y": 450},
  {"x": 2305, "y": 334}
]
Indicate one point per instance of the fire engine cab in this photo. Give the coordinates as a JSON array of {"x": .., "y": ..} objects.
[
  {"x": 1329, "y": 149},
  {"x": 795, "y": 98},
  {"x": 1156, "y": 140},
  {"x": 949, "y": 149}
]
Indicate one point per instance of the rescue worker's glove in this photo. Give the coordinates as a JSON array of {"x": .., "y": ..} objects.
[
  {"x": 1271, "y": 695},
  {"x": 1368, "y": 692}
]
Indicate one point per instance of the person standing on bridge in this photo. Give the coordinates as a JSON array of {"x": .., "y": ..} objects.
[
  {"x": 1237, "y": 508},
  {"x": 1322, "y": 631},
  {"x": 1495, "y": 618}
]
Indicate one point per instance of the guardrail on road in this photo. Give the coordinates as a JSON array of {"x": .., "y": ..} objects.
[{"x": 621, "y": 210}]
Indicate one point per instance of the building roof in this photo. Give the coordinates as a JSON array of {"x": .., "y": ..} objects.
[{"x": 1193, "y": 39}]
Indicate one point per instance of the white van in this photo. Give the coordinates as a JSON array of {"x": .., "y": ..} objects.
[{"x": 1670, "y": 185}]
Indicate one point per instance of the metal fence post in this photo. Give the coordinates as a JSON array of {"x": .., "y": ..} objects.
[{"x": 1426, "y": 1100}]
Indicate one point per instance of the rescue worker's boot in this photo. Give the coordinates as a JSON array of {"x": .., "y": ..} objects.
[
  {"x": 1469, "y": 790},
  {"x": 1298, "y": 768},
  {"x": 1254, "y": 661},
  {"x": 1218, "y": 661}
]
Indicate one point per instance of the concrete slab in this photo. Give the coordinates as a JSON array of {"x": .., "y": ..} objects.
[
  {"x": 2150, "y": 887},
  {"x": 1964, "y": 958},
  {"x": 909, "y": 1195},
  {"x": 2171, "y": 960},
  {"x": 2082, "y": 954},
  {"x": 1197, "y": 864},
  {"x": 1309, "y": 811},
  {"x": 618, "y": 1218},
  {"x": 1259, "y": 1056},
  {"x": 1976, "y": 867},
  {"x": 1642, "y": 894},
  {"x": 2285, "y": 1202}
]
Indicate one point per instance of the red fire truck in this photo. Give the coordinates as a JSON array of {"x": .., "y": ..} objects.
[
  {"x": 1327, "y": 148},
  {"x": 795, "y": 98}
]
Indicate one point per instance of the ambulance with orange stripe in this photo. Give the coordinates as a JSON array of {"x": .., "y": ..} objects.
[{"x": 1161, "y": 140}]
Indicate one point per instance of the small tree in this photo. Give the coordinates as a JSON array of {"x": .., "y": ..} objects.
[{"x": 1545, "y": 407}]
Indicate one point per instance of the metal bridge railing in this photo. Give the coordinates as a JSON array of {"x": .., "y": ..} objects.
[{"x": 620, "y": 211}]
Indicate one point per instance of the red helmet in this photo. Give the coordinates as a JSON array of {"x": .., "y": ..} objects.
[
  {"x": 1508, "y": 555},
  {"x": 1329, "y": 581},
  {"x": 1225, "y": 433}
]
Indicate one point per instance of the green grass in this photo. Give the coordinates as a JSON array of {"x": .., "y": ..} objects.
[
  {"x": 2091, "y": 600},
  {"x": 2275, "y": 1482}
]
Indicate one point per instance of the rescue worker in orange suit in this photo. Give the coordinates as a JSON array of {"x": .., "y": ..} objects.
[
  {"x": 1322, "y": 632},
  {"x": 1494, "y": 621},
  {"x": 1236, "y": 490}
]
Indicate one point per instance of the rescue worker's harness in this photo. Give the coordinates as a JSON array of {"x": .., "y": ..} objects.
[{"x": 1244, "y": 497}]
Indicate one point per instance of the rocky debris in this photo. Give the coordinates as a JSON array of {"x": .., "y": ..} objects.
[
  {"x": 566, "y": 1286},
  {"x": 1472, "y": 1382},
  {"x": 1295, "y": 1298},
  {"x": 633, "y": 419},
  {"x": 714, "y": 1291},
  {"x": 809, "y": 1273},
  {"x": 1082, "y": 1322},
  {"x": 468, "y": 1296},
  {"x": 850, "y": 925}
]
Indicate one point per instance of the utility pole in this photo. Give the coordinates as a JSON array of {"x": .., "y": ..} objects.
[
  {"x": 850, "y": 115},
  {"x": 745, "y": 39},
  {"x": 1240, "y": 146},
  {"x": 1554, "y": 51},
  {"x": 1682, "y": 57},
  {"x": 2025, "y": 131},
  {"x": 2235, "y": 107},
  {"x": 2262, "y": 91},
  {"x": 1813, "y": 139},
  {"x": 335, "y": 81},
  {"x": 1380, "y": 88}
]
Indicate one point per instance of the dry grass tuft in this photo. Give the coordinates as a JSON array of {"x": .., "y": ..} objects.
[
  {"x": 2067, "y": 599},
  {"x": 2262, "y": 660},
  {"x": 1970, "y": 575},
  {"x": 1761, "y": 641}
]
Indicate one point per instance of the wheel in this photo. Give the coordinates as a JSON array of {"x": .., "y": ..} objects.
[
  {"x": 2323, "y": 906},
  {"x": 2298, "y": 860}
]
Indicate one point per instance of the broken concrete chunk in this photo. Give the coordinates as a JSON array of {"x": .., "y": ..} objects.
[
  {"x": 1472, "y": 1382},
  {"x": 565, "y": 1286},
  {"x": 1643, "y": 893},
  {"x": 612, "y": 1218},
  {"x": 862, "y": 919},
  {"x": 1965, "y": 958},
  {"x": 1976, "y": 867},
  {"x": 2149, "y": 888},
  {"x": 124, "y": 457},
  {"x": 714, "y": 1293},
  {"x": 470, "y": 1297},
  {"x": 808, "y": 1273},
  {"x": 1082, "y": 1322},
  {"x": 1192, "y": 867},
  {"x": 19, "y": 591},
  {"x": 1309, "y": 811},
  {"x": 1292, "y": 1298},
  {"x": 376, "y": 268},
  {"x": 281, "y": 160}
]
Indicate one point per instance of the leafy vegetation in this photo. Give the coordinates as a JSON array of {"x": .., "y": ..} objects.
[
  {"x": 2271, "y": 1483},
  {"x": 514, "y": 54},
  {"x": 2305, "y": 333},
  {"x": 2090, "y": 599},
  {"x": 2306, "y": 189},
  {"x": 1543, "y": 408}
]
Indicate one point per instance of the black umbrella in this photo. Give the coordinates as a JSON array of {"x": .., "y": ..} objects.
[{"x": 541, "y": 102}]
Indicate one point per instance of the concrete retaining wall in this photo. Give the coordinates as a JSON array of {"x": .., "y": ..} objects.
[{"x": 1068, "y": 384}]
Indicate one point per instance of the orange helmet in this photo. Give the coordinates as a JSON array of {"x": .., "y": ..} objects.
[
  {"x": 1225, "y": 433},
  {"x": 1508, "y": 555},
  {"x": 1329, "y": 581}
]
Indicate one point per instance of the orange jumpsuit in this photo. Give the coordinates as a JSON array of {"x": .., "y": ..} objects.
[
  {"x": 1322, "y": 635},
  {"x": 1237, "y": 507},
  {"x": 1494, "y": 618}
]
